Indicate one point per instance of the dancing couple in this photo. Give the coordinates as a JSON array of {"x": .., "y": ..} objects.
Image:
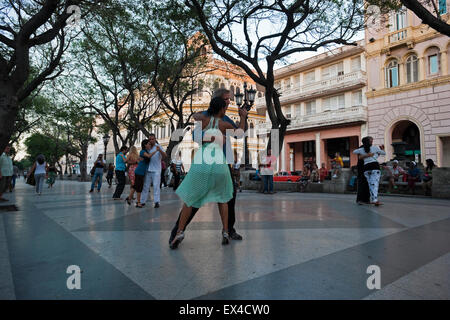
[
  {"x": 368, "y": 168},
  {"x": 209, "y": 178}
]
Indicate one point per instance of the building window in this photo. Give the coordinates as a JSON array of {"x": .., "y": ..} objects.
[
  {"x": 398, "y": 20},
  {"x": 357, "y": 98},
  {"x": 287, "y": 112},
  {"x": 298, "y": 110},
  {"x": 222, "y": 85},
  {"x": 392, "y": 74},
  {"x": 252, "y": 130},
  {"x": 287, "y": 83},
  {"x": 310, "y": 107},
  {"x": 412, "y": 69},
  {"x": 442, "y": 6},
  {"x": 334, "y": 103},
  {"x": 310, "y": 77},
  {"x": 356, "y": 63},
  {"x": 433, "y": 64},
  {"x": 333, "y": 70},
  {"x": 232, "y": 93}
]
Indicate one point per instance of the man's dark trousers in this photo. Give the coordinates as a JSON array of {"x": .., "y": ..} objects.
[
  {"x": 121, "y": 183},
  {"x": 231, "y": 216}
]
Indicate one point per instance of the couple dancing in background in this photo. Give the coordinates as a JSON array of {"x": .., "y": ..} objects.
[
  {"x": 209, "y": 179},
  {"x": 368, "y": 172}
]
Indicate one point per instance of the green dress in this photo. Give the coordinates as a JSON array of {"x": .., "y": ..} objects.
[
  {"x": 208, "y": 179},
  {"x": 51, "y": 177}
]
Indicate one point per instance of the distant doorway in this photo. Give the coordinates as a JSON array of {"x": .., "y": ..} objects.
[{"x": 407, "y": 132}]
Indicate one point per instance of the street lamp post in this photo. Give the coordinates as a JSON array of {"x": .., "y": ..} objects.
[
  {"x": 105, "y": 142},
  {"x": 249, "y": 99}
]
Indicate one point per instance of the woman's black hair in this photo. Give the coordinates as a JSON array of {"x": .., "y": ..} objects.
[
  {"x": 366, "y": 144},
  {"x": 40, "y": 159},
  {"x": 430, "y": 164},
  {"x": 143, "y": 143},
  {"x": 122, "y": 148},
  {"x": 216, "y": 105}
]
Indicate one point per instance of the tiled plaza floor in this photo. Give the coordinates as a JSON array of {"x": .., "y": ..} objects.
[{"x": 296, "y": 246}]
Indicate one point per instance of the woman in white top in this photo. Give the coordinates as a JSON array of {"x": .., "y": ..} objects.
[
  {"x": 40, "y": 169},
  {"x": 370, "y": 154}
]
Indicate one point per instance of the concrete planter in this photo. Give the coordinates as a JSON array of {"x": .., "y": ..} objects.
[{"x": 441, "y": 183}]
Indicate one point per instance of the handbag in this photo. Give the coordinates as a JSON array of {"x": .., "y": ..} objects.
[
  {"x": 92, "y": 171},
  {"x": 30, "y": 180}
]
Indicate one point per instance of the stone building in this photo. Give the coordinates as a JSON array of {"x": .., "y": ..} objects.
[{"x": 408, "y": 94}]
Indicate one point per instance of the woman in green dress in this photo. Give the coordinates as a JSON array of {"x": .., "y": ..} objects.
[{"x": 209, "y": 178}]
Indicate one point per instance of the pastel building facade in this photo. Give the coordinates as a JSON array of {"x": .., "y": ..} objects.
[
  {"x": 325, "y": 98},
  {"x": 408, "y": 93}
]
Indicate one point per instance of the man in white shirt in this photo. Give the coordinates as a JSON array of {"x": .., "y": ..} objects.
[
  {"x": 267, "y": 166},
  {"x": 153, "y": 174},
  {"x": 6, "y": 171}
]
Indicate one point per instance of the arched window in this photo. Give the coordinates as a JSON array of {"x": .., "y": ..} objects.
[
  {"x": 412, "y": 69},
  {"x": 252, "y": 131},
  {"x": 216, "y": 85},
  {"x": 432, "y": 61},
  {"x": 222, "y": 85},
  {"x": 238, "y": 90},
  {"x": 232, "y": 93},
  {"x": 391, "y": 74},
  {"x": 259, "y": 94}
]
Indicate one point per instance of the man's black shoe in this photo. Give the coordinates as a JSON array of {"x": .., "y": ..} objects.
[
  {"x": 157, "y": 205},
  {"x": 235, "y": 236}
]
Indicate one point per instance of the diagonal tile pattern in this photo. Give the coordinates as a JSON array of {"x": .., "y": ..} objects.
[{"x": 296, "y": 246}]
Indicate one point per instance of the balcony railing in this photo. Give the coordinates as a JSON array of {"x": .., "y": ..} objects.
[
  {"x": 340, "y": 116},
  {"x": 398, "y": 36},
  {"x": 318, "y": 87}
]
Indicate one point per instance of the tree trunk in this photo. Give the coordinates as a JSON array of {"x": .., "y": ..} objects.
[
  {"x": 174, "y": 143},
  {"x": 60, "y": 170},
  {"x": 9, "y": 108},
  {"x": 279, "y": 122},
  {"x": 83, "y": 163}
]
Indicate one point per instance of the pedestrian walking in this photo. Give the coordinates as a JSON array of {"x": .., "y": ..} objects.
[
  {"x": 39, "y": 170},
  {"x": 225, "y": 94},
  {"x": 110, "y": 175},
  {"x": 97, "y": 172},
  {"x": 153, "y": 174},
  {"x": 163, "y": 176},
  {"x": 15, "y": 175},
  {"x": 370, "y": 153},
  {"x": 209, "y": 179},
  {"x": 6, "y": 171},
  {"x": 121, "y": 167}
]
